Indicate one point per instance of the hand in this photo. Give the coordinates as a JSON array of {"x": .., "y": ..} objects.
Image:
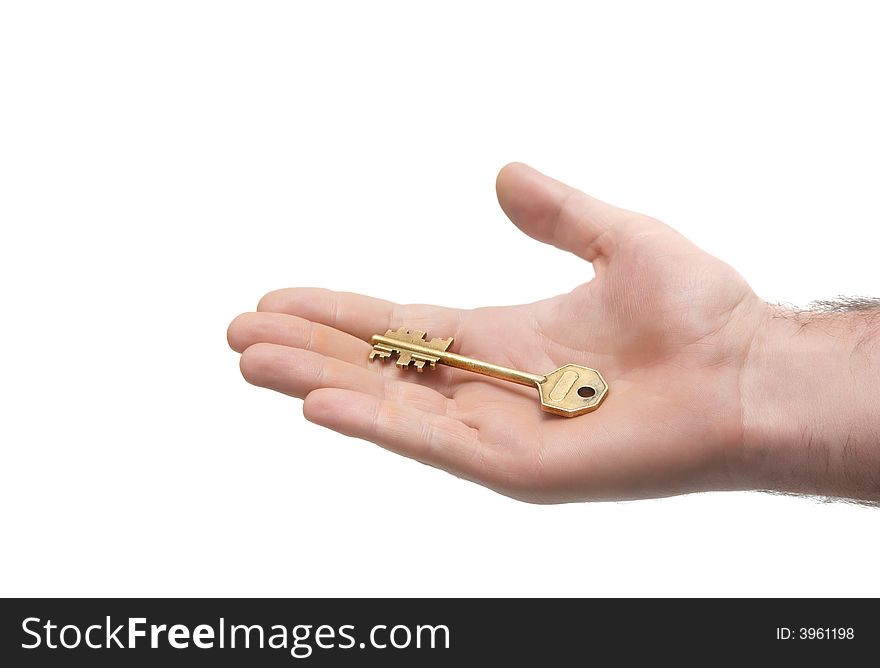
[{"x": 674, "y": 331}]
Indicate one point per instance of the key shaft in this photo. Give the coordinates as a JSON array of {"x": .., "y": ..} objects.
[{"x": 462, "y": 362}]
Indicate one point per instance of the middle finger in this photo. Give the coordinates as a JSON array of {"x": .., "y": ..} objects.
[{"x": 295, "y": 332}]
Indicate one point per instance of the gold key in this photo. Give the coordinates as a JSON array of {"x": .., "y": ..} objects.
[{"x": 569, "y": 391}]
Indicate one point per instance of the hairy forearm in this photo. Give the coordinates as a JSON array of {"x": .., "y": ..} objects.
[{"x": 811, "y": 400}]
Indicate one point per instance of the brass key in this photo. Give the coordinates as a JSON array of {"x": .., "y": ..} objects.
[{"x": 569, "y": 391}]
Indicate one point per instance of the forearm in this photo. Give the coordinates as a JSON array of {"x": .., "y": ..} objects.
[{"x": 811, "y": 401}]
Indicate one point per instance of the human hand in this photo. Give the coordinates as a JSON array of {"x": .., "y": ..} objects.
[{"x": 697, "y": 398}]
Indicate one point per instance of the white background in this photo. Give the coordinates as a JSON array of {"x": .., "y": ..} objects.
[{"x": 164, "y": 164}]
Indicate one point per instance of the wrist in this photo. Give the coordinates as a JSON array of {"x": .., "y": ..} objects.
[{"x": 810, "y": 392}]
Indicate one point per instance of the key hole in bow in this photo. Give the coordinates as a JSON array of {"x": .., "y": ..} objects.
[{"x": 586, "y": 391}]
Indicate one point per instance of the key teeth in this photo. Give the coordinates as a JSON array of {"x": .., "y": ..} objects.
[
  {"x": 440, "y": 344},
  {"x": 405, "y": 335},
  {"x": 380, "y": 351},
  {"x": 406, "y": 357}
]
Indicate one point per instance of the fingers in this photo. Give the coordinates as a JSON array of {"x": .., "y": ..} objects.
[
  {"x": 431, "y": 438},
  {"x": 361, "y": 316},
  {"x": 294, "y": 332},
  {"x": 297, "y": 372},
  {"x": 557, "y": 214}
]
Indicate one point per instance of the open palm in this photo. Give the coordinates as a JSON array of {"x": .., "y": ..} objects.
[{"x": 668, "y": 326}]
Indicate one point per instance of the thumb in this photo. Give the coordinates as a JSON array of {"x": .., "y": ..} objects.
[{"x": 557, "y": 214}]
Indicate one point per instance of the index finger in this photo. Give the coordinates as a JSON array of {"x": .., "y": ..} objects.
[{"x": 359, "y": 315}]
